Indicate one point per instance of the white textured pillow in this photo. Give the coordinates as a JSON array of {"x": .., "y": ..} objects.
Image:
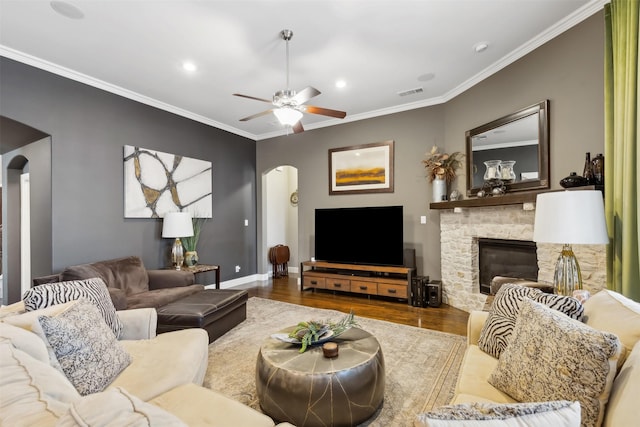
[
  {"x": 94, "y": 290},
  {"x": 553, "y": 357},
  {"x": 538, "y": 414},
  {"x": 116, "y": 407},
  {"x": 496, "y": 331},
  {"x": 622, "y": 408},
  {"x": 24, "y": 341},
  {"x": 88, "y": 352},
  {"x": 29, "y": 322},
  {"x": 612, "y": 312},
  {"x": 31, "y": 392}
]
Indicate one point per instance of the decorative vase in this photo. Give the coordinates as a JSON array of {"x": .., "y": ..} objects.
[
  {"x": 439, "y": 189},
  {"x": 191, "y": 258},
  {"x": 507, "y": 172},
  {"x": 493, "y": 170}
]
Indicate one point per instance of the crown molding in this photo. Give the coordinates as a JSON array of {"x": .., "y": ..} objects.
[
  {"x": 117, "y": 90},
  {"x": 550, "y": 33}
]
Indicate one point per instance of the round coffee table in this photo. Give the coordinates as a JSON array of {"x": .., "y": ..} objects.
[{"x": 308, "y": 389}]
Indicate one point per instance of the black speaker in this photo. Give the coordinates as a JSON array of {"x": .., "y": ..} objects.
[
  {"x": 434, "y": 293},
  {"x": 418, "y": 290}
]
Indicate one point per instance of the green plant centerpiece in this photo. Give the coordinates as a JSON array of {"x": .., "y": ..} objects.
[
  {"x": 190, "y": 243},
  {"x": 311, "y": 331}
]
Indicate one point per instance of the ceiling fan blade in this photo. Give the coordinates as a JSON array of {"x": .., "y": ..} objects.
[
  {"x": 297, "y": 128},
  {"x": 325, "y": 111},
  {"x": 253, "y": 97},
  {"x": 305, "y": 94},
  {"x": 264, "y": 113}
]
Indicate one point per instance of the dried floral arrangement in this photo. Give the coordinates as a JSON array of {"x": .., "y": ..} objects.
[{"x": 442, "y": 165}]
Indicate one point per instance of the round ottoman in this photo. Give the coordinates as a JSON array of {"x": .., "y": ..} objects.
[{"x": 308, "y": 389}]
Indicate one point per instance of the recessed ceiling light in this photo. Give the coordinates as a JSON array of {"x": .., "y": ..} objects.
[
  {"x": 426, "y": 77},
  {"x": 341, "y": 83},
  {"x": 480, "y": 47},
  {"x": 189, "y": 66},
  {"x": 67, "y": 10}
]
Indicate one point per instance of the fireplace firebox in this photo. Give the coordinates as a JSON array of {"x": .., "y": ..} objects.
[{"x": 503, "y": 257}]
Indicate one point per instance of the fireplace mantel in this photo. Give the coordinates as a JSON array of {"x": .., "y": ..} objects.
[
  {"x": 504, "y": 200},
  {"x": 476, "y": 202}
]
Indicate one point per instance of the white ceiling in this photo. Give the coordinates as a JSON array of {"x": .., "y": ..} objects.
[{"x": 136, "y": 48}]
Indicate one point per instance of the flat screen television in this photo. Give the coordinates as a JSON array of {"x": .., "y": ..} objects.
[{"x": 367, "y": 235}]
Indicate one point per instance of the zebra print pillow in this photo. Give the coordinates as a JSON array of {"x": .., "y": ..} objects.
[
  {"x": 94, "y": 290},
  {"x": 497, "y": 330}
]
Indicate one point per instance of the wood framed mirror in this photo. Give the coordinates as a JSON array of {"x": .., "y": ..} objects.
[{"x": 522, "y": 137}]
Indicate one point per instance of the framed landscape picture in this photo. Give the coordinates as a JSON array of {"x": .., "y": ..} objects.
[{"x": 361, "y": 169}]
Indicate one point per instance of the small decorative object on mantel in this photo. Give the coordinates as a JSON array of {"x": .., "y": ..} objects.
[
  {"x": 588, "y": 169},
  {"x": 574, "y": 180},
  {"x": 598, "y": 169},
  {"x": 314, "y": 332},
  {"x": 497, "y": 175},
  {"x": 441, "y": 171},
  {"x": 455, "y": 196}
]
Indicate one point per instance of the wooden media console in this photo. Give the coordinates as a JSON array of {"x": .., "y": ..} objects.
[{"x": 388, "y": 281}]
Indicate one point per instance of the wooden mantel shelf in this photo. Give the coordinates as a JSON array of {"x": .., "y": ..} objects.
[
  {"x": 477, "y": 202},
  {"x": 507, "y": 199}
]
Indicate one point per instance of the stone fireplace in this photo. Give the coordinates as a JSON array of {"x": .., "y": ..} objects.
[
  {"x": 460, "y": 230},
  {"x": 509, "y": 258}
]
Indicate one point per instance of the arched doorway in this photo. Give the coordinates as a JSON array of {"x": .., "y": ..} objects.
[
  {"x": 280, "y": 209},
  {"x": 25, "y": 150}
]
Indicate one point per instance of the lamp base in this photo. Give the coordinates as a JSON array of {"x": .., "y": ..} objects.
[
  {"x": 177, "y": 254},
  {"x": 567, "y": 277}
]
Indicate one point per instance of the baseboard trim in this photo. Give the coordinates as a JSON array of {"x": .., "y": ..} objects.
[{"x": 239, "y": 281}]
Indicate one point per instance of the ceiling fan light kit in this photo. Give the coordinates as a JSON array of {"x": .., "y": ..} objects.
[
  {"x": 289, "y": 104},
  {"x": 287, "y": 115}
]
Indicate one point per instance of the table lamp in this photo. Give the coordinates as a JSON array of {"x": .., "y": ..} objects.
[
  {"x": 569, "y": 218},
  {"x": 177, "y": 224}
]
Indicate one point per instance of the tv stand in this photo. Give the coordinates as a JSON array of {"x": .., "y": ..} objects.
[{"x": 394, "y": 282}]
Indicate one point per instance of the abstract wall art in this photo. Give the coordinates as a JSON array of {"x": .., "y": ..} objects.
[{"x": 156, "y": 183}]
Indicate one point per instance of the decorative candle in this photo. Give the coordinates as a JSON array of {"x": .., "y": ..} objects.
[{"x": 330, "y": 349}]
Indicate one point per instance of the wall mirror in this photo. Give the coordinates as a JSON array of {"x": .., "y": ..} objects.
[{"x": 522, "y": 137}]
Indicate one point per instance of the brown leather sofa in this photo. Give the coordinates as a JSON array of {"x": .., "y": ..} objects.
[{"x": 179, "y": 302}]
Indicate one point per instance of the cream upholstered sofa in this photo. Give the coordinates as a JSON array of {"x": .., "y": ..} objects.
[
  {"x": 162, "y": 385},
  {"x": 605, "y": 311}
]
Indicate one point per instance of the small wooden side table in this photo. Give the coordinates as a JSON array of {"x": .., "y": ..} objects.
[{"x": 204, "y": 268}]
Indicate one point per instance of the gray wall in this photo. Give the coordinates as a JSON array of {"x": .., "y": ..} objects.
[
  {"x": 88, "y": 129},
  {"x": 567, "y": 70},
  {"x": 414, "y": 133}
]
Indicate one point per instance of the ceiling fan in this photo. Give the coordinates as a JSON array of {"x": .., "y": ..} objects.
[{"x": 288, "y": 104}]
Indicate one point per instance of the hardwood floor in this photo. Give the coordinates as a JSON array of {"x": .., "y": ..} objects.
[{"x": 443, "y": 318}]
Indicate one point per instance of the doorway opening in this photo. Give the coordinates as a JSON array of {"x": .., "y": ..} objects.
[{"x": 280, "y": 204}]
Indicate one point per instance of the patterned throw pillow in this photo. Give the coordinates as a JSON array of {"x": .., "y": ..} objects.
[
  {"x": 496, "y": 331},
  {"x": 553, "y": 357},
  {"x": 539, "y": 414},
  {"x": 88, "y": 352},
  {"x": 94, "y": 290}
]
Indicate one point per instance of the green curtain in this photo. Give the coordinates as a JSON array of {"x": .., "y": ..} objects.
[{"x": 622, "y": 183}]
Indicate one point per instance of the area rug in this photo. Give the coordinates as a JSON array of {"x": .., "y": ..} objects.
[{"x": 421, "y": 365}]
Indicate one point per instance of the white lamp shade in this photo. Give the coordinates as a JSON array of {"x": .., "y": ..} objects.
[
  {"x": 177, "y": 224},
  {"x": 287, "y": 115},
  {"x": 570, "y": 217}
]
